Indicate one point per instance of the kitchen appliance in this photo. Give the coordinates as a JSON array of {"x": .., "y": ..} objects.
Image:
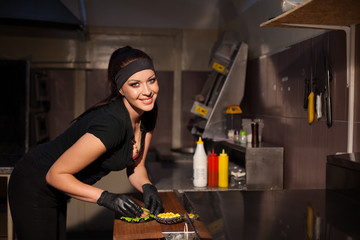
[{"x": 224, "y": 87}]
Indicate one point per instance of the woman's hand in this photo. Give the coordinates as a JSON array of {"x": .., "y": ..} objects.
[
  {"x": 120, "y": 203},
  {"x": 152, "y": 200}
]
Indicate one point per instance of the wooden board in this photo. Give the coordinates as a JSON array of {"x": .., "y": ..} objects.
[
  {"x": 153, "y": 229},
  {"x": 319, "y": 12}
]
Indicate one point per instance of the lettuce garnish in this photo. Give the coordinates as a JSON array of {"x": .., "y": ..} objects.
[{"x": 138, "y": 219}]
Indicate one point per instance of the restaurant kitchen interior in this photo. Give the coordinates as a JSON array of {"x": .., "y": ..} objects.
[{"x": 53, "y": 63}]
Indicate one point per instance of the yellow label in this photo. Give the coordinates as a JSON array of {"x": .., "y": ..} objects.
[
  {"x": 201, "y": 110},
  {"x": 218, "y": 67}
]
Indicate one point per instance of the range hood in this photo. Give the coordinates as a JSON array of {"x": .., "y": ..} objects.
[{"x": 41, "y": 13}]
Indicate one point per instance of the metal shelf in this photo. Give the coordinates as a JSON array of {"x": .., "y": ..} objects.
[{"x": 319, "y": 12}]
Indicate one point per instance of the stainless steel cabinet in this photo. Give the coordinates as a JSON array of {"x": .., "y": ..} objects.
[{"x": 263, "y": 164}]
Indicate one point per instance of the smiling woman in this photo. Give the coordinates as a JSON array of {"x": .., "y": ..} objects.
[{"x": 112, "y": 135}]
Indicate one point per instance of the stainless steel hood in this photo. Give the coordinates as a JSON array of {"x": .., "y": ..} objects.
[{"x": 42, "y": 13}]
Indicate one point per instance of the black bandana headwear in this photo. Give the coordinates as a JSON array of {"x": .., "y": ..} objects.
[{"x": 138, "y": 65}]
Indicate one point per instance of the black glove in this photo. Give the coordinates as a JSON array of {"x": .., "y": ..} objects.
[
  {"x": 120, "y": 203},
  {"x": 152, "y": 199}
]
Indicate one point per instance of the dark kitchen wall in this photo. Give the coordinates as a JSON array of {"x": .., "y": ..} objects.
[
  {"x": 275, "y": 92},
  {"x": 192, "y": 85},
  {"x": 61, "y": 93}
]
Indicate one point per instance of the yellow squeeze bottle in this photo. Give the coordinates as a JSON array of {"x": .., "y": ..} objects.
[{"x": 223, "y": 169}]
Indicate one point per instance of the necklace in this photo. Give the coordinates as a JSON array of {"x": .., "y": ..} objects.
[{"x": 136, "y": 143}]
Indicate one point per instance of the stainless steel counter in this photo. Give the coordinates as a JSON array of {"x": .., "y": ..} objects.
[
  {"x": 240, "y": 213},
  {"x": 178, "y": 175},
  {"x": 277, "y": 214},
  {"x": 262, "y": 166},
  {"x": 264, "y": 163}
]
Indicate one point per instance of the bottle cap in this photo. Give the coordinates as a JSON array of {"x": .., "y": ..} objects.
[
  {"x": 213, "y": 154},
  {"x": 200, "y": 141},
  {"x": 223, "y": 153}
]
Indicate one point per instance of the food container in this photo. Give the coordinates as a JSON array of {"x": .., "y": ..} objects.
[
  {"x": 243, "y": 136},
  {"x": 179, "y": 235}
]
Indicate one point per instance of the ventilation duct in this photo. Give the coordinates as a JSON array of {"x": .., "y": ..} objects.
[{"x": 43, "y": 13}]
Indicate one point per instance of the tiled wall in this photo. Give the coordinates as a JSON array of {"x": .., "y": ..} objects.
[
  {"x": 61, "y": 94},
  {"x": 275, "y": 92},
  {"x": 192, "y": 84}
]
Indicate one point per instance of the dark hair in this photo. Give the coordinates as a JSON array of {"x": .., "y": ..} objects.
[{"x": 119, "y": 59}]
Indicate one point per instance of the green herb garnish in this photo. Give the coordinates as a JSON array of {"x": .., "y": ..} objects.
[{"x": 138, "y": 219}]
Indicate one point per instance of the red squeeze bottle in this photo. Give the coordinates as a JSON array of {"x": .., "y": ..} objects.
[{"x": 213, "y": 169}]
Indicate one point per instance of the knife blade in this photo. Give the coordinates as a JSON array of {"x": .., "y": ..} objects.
[
  {"x": 328, "y": 94},
  {"x": 192, "y": 225}
]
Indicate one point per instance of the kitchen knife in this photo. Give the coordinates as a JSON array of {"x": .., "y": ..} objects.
[
  {"x": 307, "y": 92},
  {"x": 328, "y": 95},
  {"x": 323, "y": 84}
]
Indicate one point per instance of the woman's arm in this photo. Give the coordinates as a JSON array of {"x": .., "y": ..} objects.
[
  {"x": 137, "y": 173},
  {"x": 61, "y": 175}
]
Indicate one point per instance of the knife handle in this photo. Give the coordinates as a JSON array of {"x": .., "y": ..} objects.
[
  {"x": 306, "y": 93},
  {"x": 310, "y": 222},
  {"x": 311, "y": 107},
  {"x": 328, "y": 111}
]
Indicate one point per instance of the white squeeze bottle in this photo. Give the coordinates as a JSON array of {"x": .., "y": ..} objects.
[{"x": 200, "y": 165}]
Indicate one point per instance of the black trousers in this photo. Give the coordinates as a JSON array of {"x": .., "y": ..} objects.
[{"x": 38, "y": 210}]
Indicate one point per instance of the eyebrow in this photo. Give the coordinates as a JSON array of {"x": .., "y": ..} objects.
[{"x": 137, "y": 80}]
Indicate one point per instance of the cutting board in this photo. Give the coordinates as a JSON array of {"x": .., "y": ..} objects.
[{"x": 153, "y": 229}]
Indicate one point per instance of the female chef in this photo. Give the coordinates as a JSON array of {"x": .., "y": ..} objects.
[{"x": 113, "y": 135}]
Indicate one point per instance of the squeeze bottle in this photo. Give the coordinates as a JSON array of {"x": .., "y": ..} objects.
[
  {"x": 200, "y": 165},
  {"x": 213, "y": 169},
  {"x": 223, "y": 169}
]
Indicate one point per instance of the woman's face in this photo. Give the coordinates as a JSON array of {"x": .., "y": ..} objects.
[{"x": 141, "y": 90}]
